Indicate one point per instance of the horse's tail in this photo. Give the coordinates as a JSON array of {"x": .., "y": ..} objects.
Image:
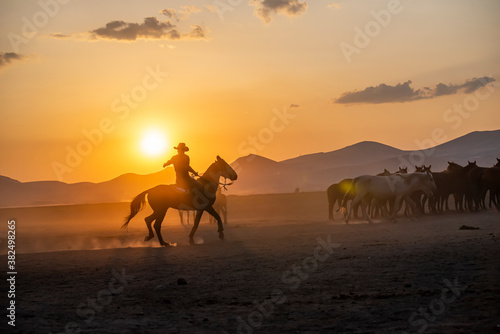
[
  {"x": 343, "y": 206},
  {"x": 136, "y": 206}
]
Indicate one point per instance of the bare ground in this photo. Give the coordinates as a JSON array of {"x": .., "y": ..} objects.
[{"x": 276, "y": 272}]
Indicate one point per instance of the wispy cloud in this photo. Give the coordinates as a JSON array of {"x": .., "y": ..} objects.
[
  {"x": 182, "y": 14},
  {"x": 265, "y": 9},
  {"x": 61, "y": 36},
  {"x": 403, "y": 92},
  {"x": 334, "y": 6},
  {"x": 151, "y": 28},
  {"x": 8, "y": 57}
]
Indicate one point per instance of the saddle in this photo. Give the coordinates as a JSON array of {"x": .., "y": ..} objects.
[{"x": 180, "y": 189}]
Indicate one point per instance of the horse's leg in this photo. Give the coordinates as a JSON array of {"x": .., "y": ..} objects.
[
  {"x": 224, "y": 213},
  {"x": 159, "y": 219},
  {"x": 220, "y": 228},
  {"x": 180, "y": 216},
  {"x": 363, "y": 210},
  {"x": 395, "y": 209},
  {"x": 331, "y": 204},
  {"x": 149, "y": 220},
  {"x": 354, "y": 204},
  {"x": 195, "y": 226}
]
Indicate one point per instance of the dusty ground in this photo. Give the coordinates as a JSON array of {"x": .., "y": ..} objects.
[{"x": 282, "y": 269}]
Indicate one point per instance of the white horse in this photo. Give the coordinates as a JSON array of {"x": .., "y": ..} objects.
[{"x": 398, "y": 187}]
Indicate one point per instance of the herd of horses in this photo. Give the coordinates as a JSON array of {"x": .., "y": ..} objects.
[
  {"x": 384, "y": 194},
  {"x": 377, "y": 195}
]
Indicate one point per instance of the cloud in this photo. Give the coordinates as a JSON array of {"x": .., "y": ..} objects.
[
  {"x": 265, "y": 9},
  {"x": 7, "y": 57},
  {"x": 468, "y": 87},
  {"x": 151, "y": 28},
  {"x": 181, "y": 14},
  {"x": 294, "y": 106},
  {"x": 170, "y": 13},
  {"x": 403, "y": 92},
  {"x": 334, "y": 6},
  {"x": 185, "y": 11},
  {"x": 210, "y": 8},
  {"x": 61, "y": 36}
]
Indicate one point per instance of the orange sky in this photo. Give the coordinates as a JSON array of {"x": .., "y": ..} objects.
[{"x": 263, "y": 78}]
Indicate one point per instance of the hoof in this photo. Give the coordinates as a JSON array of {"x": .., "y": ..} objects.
[
  {"x": 147, "y": 238},
  {"x": 166, "y": 244},
  {"x": 221, "y": 235}
]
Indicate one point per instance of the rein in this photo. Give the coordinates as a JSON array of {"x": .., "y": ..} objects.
[
  {"x": 225, "y": 184},
  {"x": 222, "y": 184}
]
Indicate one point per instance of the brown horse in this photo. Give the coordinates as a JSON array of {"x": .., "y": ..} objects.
[
  {"x": 337, "y": 192},
  {"x": 163, "y": 197}
]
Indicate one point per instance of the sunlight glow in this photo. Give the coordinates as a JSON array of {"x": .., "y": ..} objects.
[{"x": 154, "y": 143}]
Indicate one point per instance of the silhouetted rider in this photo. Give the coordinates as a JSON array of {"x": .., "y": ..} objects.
[{"x": 182, "y": 168}]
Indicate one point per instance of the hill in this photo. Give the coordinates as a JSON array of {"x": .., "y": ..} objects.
[{"x": 257, "y": 174}]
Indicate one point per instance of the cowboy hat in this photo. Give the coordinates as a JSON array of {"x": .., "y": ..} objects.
[{"x": 182, "y": 147}]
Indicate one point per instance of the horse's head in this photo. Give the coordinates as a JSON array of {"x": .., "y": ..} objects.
[
  {"x": 428, "y": 184},
  {"x": 225, "y": 170},
  {"x": 402, "y": 170},
  {"x": 384, "y": 173},
  {"x": 453, "y": 167}
]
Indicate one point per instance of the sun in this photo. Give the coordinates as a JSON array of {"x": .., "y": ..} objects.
[{"x": 154, "y": 143}]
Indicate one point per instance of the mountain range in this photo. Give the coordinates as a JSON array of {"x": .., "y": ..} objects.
[{"x": 257, "y": 174}]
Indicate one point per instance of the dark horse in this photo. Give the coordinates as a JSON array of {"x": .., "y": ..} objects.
[{"x": 163, "y": 197}]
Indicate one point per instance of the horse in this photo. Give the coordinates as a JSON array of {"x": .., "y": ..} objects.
[
  {"x": 419, "y": 197},
  {"x": 163, "y": 197},
  {"x": 398, "y": 187},
  {"x": 379, "y": 207},
  {"x": 490, "y": 180},
  {"x": 220, "y": 205},
  {"x": 181, "y": 215},
  {"x": 337, "y": 192},
  {"x": 454, "y": 181}
]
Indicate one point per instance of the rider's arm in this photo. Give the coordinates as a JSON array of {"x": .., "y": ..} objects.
[
  {"x": 191, "y": 170},
  {"x": 168, "y": 163}
]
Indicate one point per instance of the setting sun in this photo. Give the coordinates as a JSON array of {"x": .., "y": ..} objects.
[{"x": 153, "y": 143}]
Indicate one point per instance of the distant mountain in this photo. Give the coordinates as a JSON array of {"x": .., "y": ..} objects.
[
  {"x": 257, "y": 174},
  {"x": 315, "y": 172},
  {"x": 123, "y": 188}
]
